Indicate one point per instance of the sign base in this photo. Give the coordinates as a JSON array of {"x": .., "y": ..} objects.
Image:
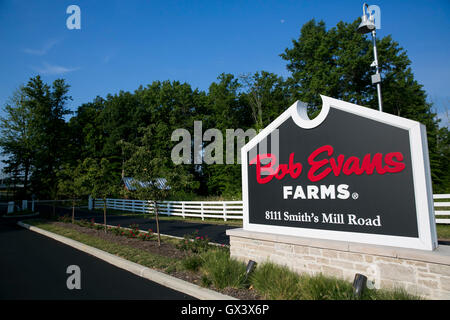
[{"x": 419, "y": 272}]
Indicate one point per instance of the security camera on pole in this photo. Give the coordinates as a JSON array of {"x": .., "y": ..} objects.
[{"x": 367, "y": 25}]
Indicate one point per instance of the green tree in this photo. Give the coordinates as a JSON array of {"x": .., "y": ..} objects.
[
  {"x": 225, "y": 111},
  {"x": 336, "y": 62},
  {"x": 47, "y": 106},
  {"x": 156, "y": 177},
  {"x": 16, "y": 137},
  {"x": 70, "y": 184},
  {"x": 100, "y": 180},
  {"x": 87, "y": 133},
  {"x": 332, "y": 62},
  {"x": 266, "y": 94}
]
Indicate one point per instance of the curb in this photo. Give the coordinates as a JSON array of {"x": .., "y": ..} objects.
[
  {"x": 144, "y": 272},
  {"x": 21, "y": 216}
]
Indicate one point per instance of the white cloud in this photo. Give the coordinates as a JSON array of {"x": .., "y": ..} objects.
[
  {"x": 51, "y": 69},
  {"x": 43, "y": 51}
]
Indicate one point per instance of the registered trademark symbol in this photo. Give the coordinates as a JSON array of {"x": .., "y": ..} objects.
[{"x": 355, "y": 195}]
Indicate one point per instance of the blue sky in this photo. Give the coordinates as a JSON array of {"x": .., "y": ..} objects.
[{"x": 123, "y": 44}]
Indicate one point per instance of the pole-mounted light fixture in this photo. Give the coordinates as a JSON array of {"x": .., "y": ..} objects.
[{"x": 367, "y": 25}]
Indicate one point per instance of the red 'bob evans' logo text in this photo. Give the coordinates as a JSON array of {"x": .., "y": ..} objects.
[{"x": 319, "y": 169}]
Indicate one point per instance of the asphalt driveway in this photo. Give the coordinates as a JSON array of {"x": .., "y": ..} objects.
[{"x": 33, "y": 267}]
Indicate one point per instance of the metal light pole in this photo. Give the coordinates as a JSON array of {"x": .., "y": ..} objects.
[{"x": 367, "y": 25}]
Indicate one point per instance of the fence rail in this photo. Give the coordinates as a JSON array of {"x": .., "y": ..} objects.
[
  {"x": 442, "y": 208},
  {"x": 224, "y": 209},
  {"x": 200, "y": 209}
]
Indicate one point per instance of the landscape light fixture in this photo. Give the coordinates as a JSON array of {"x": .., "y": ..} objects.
[
  {"x": 359, "y": 284},
  {"x": 367, "y": 25},
  {"x": 250, "y": 266}
]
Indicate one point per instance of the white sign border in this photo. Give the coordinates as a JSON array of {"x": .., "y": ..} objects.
[{"x": 426, "y": 223}]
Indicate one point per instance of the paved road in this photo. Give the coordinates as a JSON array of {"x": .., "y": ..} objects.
[
  {"x": 33, "y": 266},
  {"x": 173, "y": 227}
]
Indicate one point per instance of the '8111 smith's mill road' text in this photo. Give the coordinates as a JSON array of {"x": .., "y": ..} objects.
[{"x": 327, "y": 218}]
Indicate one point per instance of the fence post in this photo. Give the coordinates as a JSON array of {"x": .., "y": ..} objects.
[
  {"x": 182, "y": 209},
  {"x": 24, "y": 204},
  {"x": 11, "y": 207},
  {"x": 201, "y": 211},
  {"x": 90, "y": 200},
  {"x": 32, "y": 205},
  {"x": 224, "y": 211}
]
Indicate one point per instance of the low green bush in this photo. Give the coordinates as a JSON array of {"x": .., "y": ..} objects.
[
  {"x": 275, "y": 282},
  {"x": 222, "y": 270},
  {"x": 280, "y": 283},
  {"x": 192, "y": 263},
  {"x": 206, "y": 282},
  {"x": 146, "y": 236},
  {"x": 194, "y": 243},
  {"x": 320, "y": 287},
  {"x": 65, "y": 218}
]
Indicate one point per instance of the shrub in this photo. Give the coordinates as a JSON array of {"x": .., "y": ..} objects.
[
  {"x": 98, "y": 226},
  {"x": 194, "y": 243},
  {"x": 130, "y": 234},
  {"x": 133, "y": 233},
  {"x": 320, "y": 287},
  {"x": 93, "y": 225},
  {"x": 275, "y": 282},
  {"x": 65, "y": 218},
  {"x": 222, "y": 270},
  {"x": 205, "y": 281},
  {"x": 145, "y": 236},
  {"x": 192, "y": 263},
  {"x": 134, "y": 227},
  {"x": 82, "y": 223},
  {"x": 116, "y": 230}
]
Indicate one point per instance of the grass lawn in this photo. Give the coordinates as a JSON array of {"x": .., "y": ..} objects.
[
  {"x": 20, "y": 213},
  {"x": 443, "y": 231},
  {"x": 230, "y": 222},
  {"x": 212, "y": 266}
]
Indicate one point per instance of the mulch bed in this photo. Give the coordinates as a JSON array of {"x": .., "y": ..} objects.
[{"x": 166, "y": 249}]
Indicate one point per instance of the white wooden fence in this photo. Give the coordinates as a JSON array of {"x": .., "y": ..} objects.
[
  {"x": 223, "y": 209},
  {"x": 201, "y": 209},
  {"x": 442, "y": 208}
]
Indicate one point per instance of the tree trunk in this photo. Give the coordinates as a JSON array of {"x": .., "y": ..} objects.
[
  {"x": 157, "y": 223},
  {"x": 73, "y": 211},
  {"x": 104, "y": 212},
  {"x": 14, "y": 185},
  {"x": 25, "y": 181},
  {"x": 260, "y": 120}
]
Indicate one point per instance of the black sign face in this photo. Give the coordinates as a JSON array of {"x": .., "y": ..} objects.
[{"x": 349, "y": 173}]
